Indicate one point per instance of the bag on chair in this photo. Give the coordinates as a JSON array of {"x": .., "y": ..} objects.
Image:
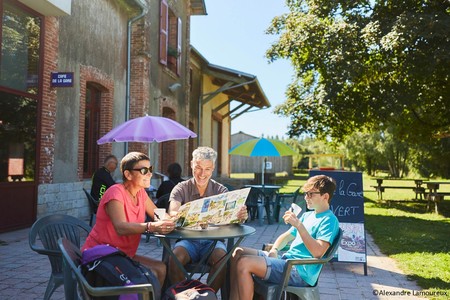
[
  {"x": 189, "y": 290},
  {"x": 104, "y": 265}
]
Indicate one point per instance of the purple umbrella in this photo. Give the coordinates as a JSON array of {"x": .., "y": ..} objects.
[{"x": 147, "y": 129}]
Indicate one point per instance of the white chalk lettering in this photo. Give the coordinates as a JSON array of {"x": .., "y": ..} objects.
[
  {"x": 342, "y": 211},
  {"x": 341, "y": 188},
  {"x": 351, "y": 191}
]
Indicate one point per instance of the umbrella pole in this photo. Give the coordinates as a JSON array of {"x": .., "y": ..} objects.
[{"x": 263, "y": 171}]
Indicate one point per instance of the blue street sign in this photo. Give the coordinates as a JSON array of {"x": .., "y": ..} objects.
[{"x": 62, "y": 79}]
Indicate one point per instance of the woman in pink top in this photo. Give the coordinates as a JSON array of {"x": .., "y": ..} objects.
[{"x": 122, "y": 212}]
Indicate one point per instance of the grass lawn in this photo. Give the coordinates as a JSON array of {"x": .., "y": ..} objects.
[{"x": 418, "y": 241}]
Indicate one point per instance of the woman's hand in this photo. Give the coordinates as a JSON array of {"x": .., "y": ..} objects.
[{"x": 163, "y": 227}]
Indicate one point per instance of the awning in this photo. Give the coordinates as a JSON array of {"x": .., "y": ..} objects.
[{"x": 241, "y": 87}]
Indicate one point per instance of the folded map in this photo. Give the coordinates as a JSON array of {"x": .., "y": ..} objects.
[{"x": 216, "y": 210}]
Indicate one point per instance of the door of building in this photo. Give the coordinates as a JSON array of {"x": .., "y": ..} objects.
[
  {"x": 20, "y": 83},
  {"x": 17, "y": 205}
]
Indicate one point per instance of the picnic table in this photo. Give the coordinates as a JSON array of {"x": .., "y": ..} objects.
[
  {"x": 434, "y": 195},
  {"x": 417, "y": 188}
]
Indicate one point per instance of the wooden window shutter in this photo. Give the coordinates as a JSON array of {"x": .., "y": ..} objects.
[
  {"x": 163, "y": 32},
  {"x": 179, "y": 46}
]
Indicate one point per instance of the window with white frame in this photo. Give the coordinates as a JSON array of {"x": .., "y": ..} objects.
[{"x": 169, "y": 38}]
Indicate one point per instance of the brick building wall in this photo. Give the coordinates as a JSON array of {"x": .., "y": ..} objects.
[
  {"x": 46, "y": 141},
  {"x": 139, "y": 79},
  {"x": 168, "y": 150},
  {"x": 106, "y": 84}
]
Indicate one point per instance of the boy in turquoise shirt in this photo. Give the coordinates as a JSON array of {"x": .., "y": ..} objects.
[{"x": 310, "y": 236}]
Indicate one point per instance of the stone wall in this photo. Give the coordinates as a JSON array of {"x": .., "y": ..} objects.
[{"x": 63, "y": 198}]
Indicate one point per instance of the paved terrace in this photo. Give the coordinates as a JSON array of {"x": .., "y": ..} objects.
[{"x": 25, "y": 273}]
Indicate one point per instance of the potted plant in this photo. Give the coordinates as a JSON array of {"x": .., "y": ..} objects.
[
  {"x": 173, "y": 52},
  {"x": 172, "y": 56}
]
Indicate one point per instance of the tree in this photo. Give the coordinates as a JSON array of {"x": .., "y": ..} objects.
[
  {"x": 366, "y": 65},
  {"x": 361, "y": 151},
  {"x": 395, "y": 152},
  {"x": 431, "y": 159}
]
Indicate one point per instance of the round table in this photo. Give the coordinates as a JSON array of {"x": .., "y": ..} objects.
[{"x": 233, "y": 233}]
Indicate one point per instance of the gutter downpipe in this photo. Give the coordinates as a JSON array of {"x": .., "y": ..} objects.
[
  {"x": 143, "y": 5},
  {"x": 218, "y": 91}
]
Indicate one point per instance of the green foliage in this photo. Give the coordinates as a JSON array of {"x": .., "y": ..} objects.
[
  {"x": 298, "y": 148},
  {"x": 395, "y": 152},
  {"x": 173, "y": 52},
  {"x": 380, "y": 151},
  {"x": 431, "y": 159},
  {"x": 361, "y": 151},
  {"x": 372, "y": 152},
  {"x": 366, "y": 65}
]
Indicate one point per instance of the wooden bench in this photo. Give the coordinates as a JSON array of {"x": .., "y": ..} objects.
[
  {"x": 418, "y": 189},
  {"x": 434, "y": 195},
  {"x": 436, "y": 198}
]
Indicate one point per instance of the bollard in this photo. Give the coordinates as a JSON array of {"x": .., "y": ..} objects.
[{"x": 260, "y": 213}]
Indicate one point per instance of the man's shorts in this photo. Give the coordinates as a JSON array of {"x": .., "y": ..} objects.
[
  {"x": 275, "y": 268},
  {"x": 198, "y": 248}
]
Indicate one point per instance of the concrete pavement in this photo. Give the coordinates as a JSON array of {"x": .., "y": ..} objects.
[{"x": 25, "y": 273}]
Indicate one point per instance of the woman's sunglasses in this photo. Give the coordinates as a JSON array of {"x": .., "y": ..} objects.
[{"x": 144, "y": 170}]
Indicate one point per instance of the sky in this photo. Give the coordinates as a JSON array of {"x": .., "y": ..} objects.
[{"x": 232, "y": 35}]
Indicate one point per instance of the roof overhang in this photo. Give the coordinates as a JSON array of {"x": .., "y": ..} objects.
[
  {"x": 198, "y": 7},
  {"x": 50, "y": 7},
  {"x": 239, "y": 86}
]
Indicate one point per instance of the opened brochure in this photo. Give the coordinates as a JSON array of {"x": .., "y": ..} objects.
[{"x": 216, "y": 210}]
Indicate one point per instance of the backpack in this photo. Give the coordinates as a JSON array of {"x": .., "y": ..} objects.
[
  {"x": 189, "y": 289},
  {"x": 104, "y": 265}
]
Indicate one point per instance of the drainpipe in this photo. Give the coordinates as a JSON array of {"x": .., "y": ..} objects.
[{"x": 143, "y": 5}]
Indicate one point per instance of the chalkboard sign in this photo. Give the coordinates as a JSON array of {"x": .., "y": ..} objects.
[{"x": 348, "y": 206}]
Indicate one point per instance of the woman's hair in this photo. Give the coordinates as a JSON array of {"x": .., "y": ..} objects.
[
  {"x": 130, "y": 160},
  {"x": 204, "y": 153},
  {"x": 174, "y": 170},
  {"x": 324, "y": 184}
]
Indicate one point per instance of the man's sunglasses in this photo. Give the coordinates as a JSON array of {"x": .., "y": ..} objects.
[{"x": 144, "y": 170}]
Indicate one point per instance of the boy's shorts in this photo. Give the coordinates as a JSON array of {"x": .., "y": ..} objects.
[{"x": 275, "y": 268}]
